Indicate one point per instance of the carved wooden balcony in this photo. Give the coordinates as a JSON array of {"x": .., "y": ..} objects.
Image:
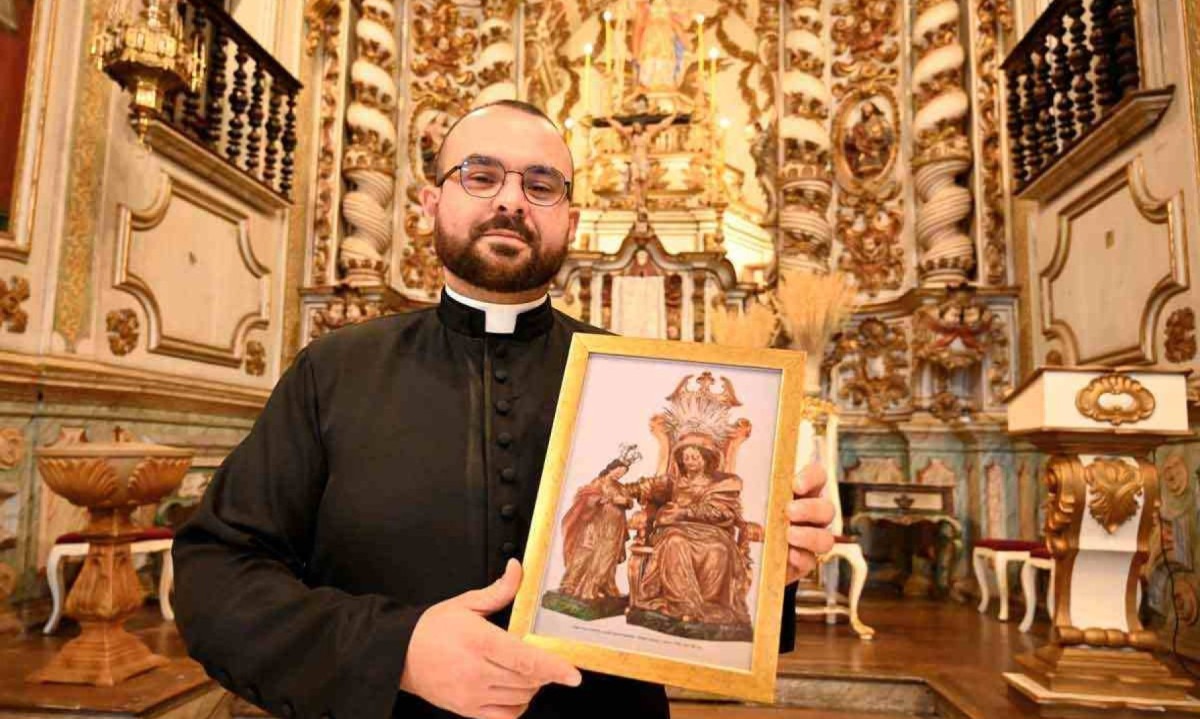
[
  {"x": 243, "y": 114},
  {"x": 1076, "y": 94}
]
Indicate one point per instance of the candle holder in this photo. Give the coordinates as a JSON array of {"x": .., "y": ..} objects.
[{"x": 110, "y": 480}]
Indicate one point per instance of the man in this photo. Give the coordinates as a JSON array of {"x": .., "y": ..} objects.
[{"x": 337, "y": 564}]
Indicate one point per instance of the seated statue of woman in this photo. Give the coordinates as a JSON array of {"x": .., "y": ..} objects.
[{"x": 698, "y": 575}]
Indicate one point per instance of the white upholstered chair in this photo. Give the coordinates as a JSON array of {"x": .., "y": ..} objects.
[
  {"x": 152, "y": 540},
  {"x": 819, "y": 453},
  {"x": 998, "y": 554}
]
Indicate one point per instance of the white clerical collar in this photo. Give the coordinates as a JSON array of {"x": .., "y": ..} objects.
[{"x": 501, "y": 319}]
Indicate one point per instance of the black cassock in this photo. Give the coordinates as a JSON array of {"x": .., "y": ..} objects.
[{"x": 395, "y": 465}]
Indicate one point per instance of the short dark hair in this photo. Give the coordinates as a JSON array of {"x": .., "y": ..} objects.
[{"x": 519, "y": 106}]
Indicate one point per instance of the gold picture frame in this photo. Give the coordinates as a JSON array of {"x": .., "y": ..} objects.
[{"x": 652, "y": 638}]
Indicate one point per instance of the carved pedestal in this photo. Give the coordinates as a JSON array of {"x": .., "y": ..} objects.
[
  {"x": 111, "y": 480},
  {"x": 1099, "y": 426}
]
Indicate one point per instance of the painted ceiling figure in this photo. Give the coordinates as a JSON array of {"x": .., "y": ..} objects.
[{"x": 659, "y": 44}]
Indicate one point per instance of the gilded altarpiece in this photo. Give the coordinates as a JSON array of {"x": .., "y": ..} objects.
[{"x": 713, "y": 143}]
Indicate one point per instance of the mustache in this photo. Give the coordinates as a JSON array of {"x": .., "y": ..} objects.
[{"x": 503, "y": 222}]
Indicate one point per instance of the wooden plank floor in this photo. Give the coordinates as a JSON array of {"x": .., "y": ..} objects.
[
  {"x": 957, "y": 651},
  {"x": 953, "y": 649}
]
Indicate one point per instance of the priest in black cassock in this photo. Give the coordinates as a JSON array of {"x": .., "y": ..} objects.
[{"x": 354, "y": 557}]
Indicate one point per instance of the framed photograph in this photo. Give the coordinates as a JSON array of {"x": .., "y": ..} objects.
[{"x": 658, "y": 549}]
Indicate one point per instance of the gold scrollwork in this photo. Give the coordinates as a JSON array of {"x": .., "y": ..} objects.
[
  {"x": 1090, "y": 402},
  {"x": 1115, "y": 487},
  {"x": 1064, "y": 490}
]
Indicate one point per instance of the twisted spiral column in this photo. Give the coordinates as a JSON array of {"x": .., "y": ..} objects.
[
  {"x": 497, "y": 59},
  {"x": 369, "y": 164},
  {"x": 806, "y": 179},
  {"x": 943, "y": 153}
]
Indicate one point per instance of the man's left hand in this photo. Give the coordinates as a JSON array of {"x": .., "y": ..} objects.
[{"x": 809, "y": 515}]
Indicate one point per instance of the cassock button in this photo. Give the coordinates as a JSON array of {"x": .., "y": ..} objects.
[
  {"x": 503, "y": 406},
  {"x": 508, "y": 474},
  {"x": 501, "y": 375},
  {"x": 501, "y": 350},
  {"x": 508, "y": 511},
  {"x": 508, "y": 548},
  {"x": 504, "y": 439},
  {"x": 288, "y": 711}
]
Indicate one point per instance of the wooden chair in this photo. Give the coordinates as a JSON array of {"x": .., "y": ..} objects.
[
  {"x": 1038, "y": 559},
  {"x": 152, "y": 540},
  {"x": 998, "y": 553},
  {"x": 819, "y": 453}
]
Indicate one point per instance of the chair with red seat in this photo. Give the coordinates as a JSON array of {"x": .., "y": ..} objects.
[
  {"x": 1039, "y": 558},
  {"x": 150, "y": 540},
  {"x": 998, "y": 553}
]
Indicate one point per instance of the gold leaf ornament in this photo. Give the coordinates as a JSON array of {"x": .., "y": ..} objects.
[
  {"x": 1115, "y": 399},
  {"x": 1115, "y": 488}
]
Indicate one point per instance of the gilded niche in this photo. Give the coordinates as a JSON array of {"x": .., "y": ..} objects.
[
  {"x": 1116, "y": 399},
  {"x": 1116, "y": 486}
]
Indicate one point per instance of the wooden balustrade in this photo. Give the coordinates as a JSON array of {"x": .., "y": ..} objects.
[
  {"x": 1065, "y": 77},
  {"x": 245, "y": 111}
]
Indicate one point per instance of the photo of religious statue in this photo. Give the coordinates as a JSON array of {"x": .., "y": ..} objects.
[
  {"x": 658, "y": 537},
  {"x": 660, "y": 43},
  {"x": 690, "y": 565}
]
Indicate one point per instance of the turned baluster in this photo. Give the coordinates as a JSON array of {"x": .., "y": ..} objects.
[
  {"x": 274, "y": 128},
  {"x": 1043, "y": 98},
  {"x": 1104, "y": 43},
  {"x": 1015, "y": 140},
  {"x": 1029, "y": 124},
  {"x": 214, "y": 110},
  {"x": 1123, "y": 18},
  {"x": 237, "y": 107},
  {"x": 1080, "y": 59},
  {"x": 193, "y": 119},
  {"x": 1061, "y": 76},
  {"x": 254, "y": 141},
  {"x": 289, "y": 145}
]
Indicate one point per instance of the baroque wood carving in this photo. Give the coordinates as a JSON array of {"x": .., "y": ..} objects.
[
  {"x": 866, "y": 137},
  {"x": 943, "y": 152},
  {"x": 12, "y": 448},
  {"x": 122, "y": 328},
  {"x": 445, "y": 42},
  {"x": 1116, "y": 487},
  {"x": 873, "y": 362},
  {"x": 256, "y": 358},
  {"x": 1180, "y": 341},
  {"x": 369, "y": 164},
  {"x": 992, "y": 17},
  {"x": 956, "y": 336},
  {"x": 1131, "y": 402},
  {"x": 12, "y": 316}
]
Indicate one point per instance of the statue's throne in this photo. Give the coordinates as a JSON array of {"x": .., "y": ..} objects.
[{"x": 704, "y": 407}]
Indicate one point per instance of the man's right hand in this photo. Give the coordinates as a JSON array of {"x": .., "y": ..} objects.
[{"x": 459, "y": 661}]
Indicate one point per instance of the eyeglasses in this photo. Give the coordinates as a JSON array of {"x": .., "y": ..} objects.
[{"x": 483, "y": 177}]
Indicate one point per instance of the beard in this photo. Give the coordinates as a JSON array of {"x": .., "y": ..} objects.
[{"x": 469, "y": 262}]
